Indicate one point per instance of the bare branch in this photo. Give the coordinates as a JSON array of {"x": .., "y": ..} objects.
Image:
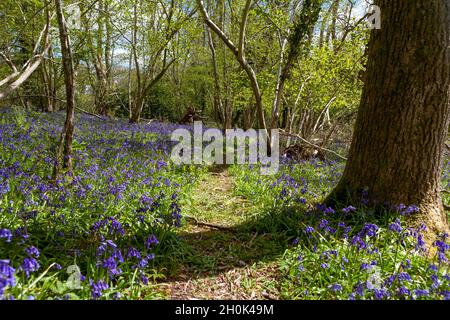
[{"x": 311, "y": 144}]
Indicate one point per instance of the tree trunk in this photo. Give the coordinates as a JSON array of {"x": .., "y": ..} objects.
[
  {"x": 67, "y": 133},
  {"x": 137, "y": 107},
  {"x": 397, "y": 148}
]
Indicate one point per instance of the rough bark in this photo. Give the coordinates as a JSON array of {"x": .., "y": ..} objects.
[{"x": 398, "y": 143}]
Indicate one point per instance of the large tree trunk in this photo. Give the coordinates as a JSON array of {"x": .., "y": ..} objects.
[{"x": 397, "y": 147}]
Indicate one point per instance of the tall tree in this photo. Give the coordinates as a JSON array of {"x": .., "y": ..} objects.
[
  {"x": 402, "y": 124},
  {"x": 66, "y": 139}
]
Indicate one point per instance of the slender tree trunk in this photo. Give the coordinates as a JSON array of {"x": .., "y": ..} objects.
[
  {"x": 67, "y": 133},
  {"x": 397, "y": 148},
  {"x": 217, "y": 90}
]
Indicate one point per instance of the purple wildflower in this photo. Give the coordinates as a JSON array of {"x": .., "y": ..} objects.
[
  {"x": 29, "y": 265},
  {"x": 32, "y": 252},
  {"x": 151, "y": 240},
  {"x": 335, "y": 287},
  {"x": 6, "y": 234},
  {"x": 97, "y": 288}
]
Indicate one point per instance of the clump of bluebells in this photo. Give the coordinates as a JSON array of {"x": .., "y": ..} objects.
[
  {"x": 352, "y": 253},
  {"x": 95, "y": 234},
  {"x": 370, "y": 263}
]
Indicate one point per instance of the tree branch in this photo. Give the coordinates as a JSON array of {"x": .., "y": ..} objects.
[{"x": 311, "y": 144}]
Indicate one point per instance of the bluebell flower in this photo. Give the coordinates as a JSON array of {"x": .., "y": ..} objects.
[
  {"x": 32, "y": 251},
  {"x": 133, "y": 253},
  {"x": 369, "y": 229},
  {"x": 359, "y": 289},
  {"x": 308, "y": 230},
  {"x": 402, "y": 291},
  {"x": 446, "y": 295},
  {"x": 357, "y": 241},
  {"x": 442, "y": 258},
  {"x": 144, "y": 279},
  {"x": 6, "y": 234},
  {"x": 433, "y": 267},
  {"x": 364, "y": 266},
  {"x": 403, "y": 276},
  {"x": 151, "y": 240},
  {"x": 7, "y": 278},
  {"x": 349, "y": 209},
  {"x": 323, "y": 223},
  {"x": 396, "y": 226},
  {"x": 420, "y": 245},
  {"x": 421, "y": 293},
  {"x": 335, "y": 287},
  {"x": 436, "y": 283},
  {"x": 29, "y": 265},
  {"x": 97, "y": 288},
  {"x": 380, "y": 294},
  {"x": 441, "y": 246}
]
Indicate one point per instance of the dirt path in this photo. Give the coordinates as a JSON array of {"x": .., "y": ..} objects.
[{"x": 222, "y": 262}]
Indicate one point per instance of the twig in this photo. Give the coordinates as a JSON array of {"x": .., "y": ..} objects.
[
  {"x": 311, "y": 144},
  {"x": 268, "y": 296},
  {"x": 206, "y": 224},
  {"x": 91, "y": 114}
]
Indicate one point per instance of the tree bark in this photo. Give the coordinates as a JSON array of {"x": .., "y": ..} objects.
[
  {"x": 398, "y": 142},
  {"x": 67, "y": 133}
]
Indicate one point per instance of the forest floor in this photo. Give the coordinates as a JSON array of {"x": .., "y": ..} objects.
[{"x": 223, "y": 260}]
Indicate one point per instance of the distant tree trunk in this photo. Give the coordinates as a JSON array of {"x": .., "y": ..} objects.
[
  {"x": 218, "y": 107},
  {"x": 48, "y": 79},
  {"x": 67, "y": 133},
  {"x": 397, "y": 148}
]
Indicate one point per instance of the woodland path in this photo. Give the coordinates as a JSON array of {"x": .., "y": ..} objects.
[{"x": 222, "y": 261}]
